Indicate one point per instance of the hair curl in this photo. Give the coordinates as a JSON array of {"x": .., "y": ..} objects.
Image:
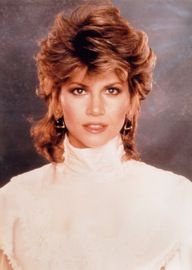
[{"x": 98, "y": 38}]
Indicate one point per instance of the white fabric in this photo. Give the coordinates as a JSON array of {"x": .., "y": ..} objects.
[{"x": 96, "y": 212}]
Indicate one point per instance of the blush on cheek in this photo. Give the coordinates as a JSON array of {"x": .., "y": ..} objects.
[
  {"x": 72, "y": 119},
  {"x": 120, "y": 119},
  {"x": 68, "y": 111}
]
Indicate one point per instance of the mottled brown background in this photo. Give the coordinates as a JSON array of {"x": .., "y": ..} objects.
[{"x": 165, "y": 126}]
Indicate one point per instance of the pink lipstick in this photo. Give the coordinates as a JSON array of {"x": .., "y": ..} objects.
[{"x": 95, "y": 128}]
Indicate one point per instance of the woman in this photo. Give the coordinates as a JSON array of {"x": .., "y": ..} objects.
[{"x": 95, "y": 205}]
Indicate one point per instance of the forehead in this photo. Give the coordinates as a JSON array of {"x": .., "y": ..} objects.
[{"x": 85, "y": 76}]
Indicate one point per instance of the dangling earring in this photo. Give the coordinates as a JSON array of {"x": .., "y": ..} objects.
[
  {"x": 60, "y": 125},
  {"x": 126, "y": 127}
]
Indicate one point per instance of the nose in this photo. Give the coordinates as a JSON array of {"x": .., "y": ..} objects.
[{"x": 95, "y": 105}]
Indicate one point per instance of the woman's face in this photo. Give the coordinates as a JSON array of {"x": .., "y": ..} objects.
[{"x": 94, "y": 107}]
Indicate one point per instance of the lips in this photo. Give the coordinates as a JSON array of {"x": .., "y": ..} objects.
[{"x": 95, "y": 127}]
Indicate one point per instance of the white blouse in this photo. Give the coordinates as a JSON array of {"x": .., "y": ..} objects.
[{"x": 96, "y": 212}]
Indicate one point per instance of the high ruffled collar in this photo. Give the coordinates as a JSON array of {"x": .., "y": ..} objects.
[{"x": 100, "y": 162}]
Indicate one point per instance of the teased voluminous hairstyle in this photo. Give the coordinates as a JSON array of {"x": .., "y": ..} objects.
[{"x": 96, "y": 37}]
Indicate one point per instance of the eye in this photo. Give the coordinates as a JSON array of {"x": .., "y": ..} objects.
[
  {"x": 78, "y": 91},
  {"x": 113, "y": 90}
]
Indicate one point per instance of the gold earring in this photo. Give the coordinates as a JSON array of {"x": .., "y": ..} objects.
[
  {"x": 60, "y": 125},
  {"x": 127, "y": 126}
]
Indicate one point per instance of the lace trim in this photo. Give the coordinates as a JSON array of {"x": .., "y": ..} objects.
[
  {"x": 163, "y": 260},
  {"x": 10, "y": 259},
  {"x": 7, "y": 228}
]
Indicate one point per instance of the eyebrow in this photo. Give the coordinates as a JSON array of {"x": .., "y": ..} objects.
[{"x": 84, "y": 85}]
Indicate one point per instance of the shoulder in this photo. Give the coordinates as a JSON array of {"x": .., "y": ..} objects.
[
  {"x": 28, "y": 181},
  {"x": 152, "y": 174},
  {"x": 16, "y": 199},
  {"x": 19, "y": 194},
  {"x": 172, "y": 192},
  {"x": 160, "y": 184}
]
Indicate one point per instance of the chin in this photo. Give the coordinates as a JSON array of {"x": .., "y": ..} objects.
[
  {"x": 96, "y": 141},
  {"x": 90, "y": 140}
]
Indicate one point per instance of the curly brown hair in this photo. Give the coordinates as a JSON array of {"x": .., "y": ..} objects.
[{"x": 98, "y": 38}]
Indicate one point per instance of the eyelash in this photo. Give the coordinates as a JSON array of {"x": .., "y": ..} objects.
[
  {"x": 79, "y": 94},
  {"x": 118, "y": 91},
  {"x": 76, "y": 89}
]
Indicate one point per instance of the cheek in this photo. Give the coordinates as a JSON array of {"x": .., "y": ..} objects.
[
  {"x": 119, "y": 119},
  {"x": 71, "y": 111},
  {"x": 119, "y": 109},
  {"x": 119, "y": 112}
]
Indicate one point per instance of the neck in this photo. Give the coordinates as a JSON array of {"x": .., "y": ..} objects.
[{"x": 97, "y": 162}]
